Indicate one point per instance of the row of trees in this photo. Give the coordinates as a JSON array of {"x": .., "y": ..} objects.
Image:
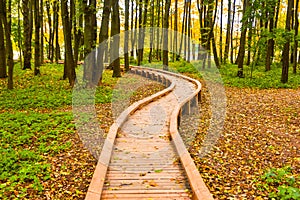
[{"x": 256, "y": 32}]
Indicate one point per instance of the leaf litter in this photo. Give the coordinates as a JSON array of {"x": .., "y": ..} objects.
[{"x": 261, "y": 131}]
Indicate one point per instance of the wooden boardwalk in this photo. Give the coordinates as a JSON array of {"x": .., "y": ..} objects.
[{"x": 143, "y": 157}]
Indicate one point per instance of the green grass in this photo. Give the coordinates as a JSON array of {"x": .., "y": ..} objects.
[
  {"x": 26, "y": 140},
  {"x": 47, "y": 91},
  {"x": 33, "y": 127},
  {"x": 260, "y": 79}
]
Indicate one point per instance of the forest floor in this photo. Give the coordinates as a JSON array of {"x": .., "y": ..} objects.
[
  {"x": 261, "y": 131},
  {"x": 42, "y": 156}
]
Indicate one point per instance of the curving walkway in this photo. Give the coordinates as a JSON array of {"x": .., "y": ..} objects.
[{"x": 146, "y": 159}]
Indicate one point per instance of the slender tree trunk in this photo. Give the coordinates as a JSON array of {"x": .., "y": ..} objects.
[
  {"x": 8, "y": 42},
  {"x": 20, "y": 41},
  {"x": 221, "y": 32},
  {"x": 249, "y": 42},
  {"x": 166, "y": 37},
  {"x": 126, "y": 41},
  {"x": 56, "y": 23},
  {"x": 132, "y": 35},
  {"x": 115, "y": 31},
  {"x": 241, "y": 54},
  {"x": 295, "y": 40},
  {"x": 78, "y": 35},
  {"x": 69, "y": 59},
  {"x": 151, "y": 31},
  {"x": 175, "y": 43},
  {"x": 103, "y": 36},
  {"x": 270, "y": 47},
  {"x": 212, "y": 37},
  {"x": 142, "y": 26},
  {"x": 27, "y": 24},
  {"x": 51, "y": 35},
  {"x": 37, "y": 59},
  {"x": 158, "y": 52},
  {"x": 231, "y": 33},
  {"x": 189, "y": 24},
  {"x": 3, "y": 71},
  {"x": 42, "y": 32},
  {"x": 286, "y": 50},
  {"x": 228, "y": 30},
  {"x": 182, "y": 38}
]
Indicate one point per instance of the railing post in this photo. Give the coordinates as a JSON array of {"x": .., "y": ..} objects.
[
  {"x": 159, "y": 79},
  {"x": 143, "y": 73},
  {"x": 179, "y": 118},
  {"x": 163, "y": 81},
  {"x": 199, "y": 96},
  {"x": 194, "y": 104}
]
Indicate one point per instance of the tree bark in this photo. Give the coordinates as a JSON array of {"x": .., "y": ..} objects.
[
  {"x": 270, "y": 44},
  {"x": 286, "y": 49},
  {"x": 56, "y": 23},
  {"x": 142, "y": 26},
  {"x": 151, "y": 31},
  {"x": 126, "y": 40},
  {"x": 37, "y": 59},
  {"x": 241, "y": 54},
  {"x": 3, "y": 71},
  {"x": 27, "y": 33},
  {"x": 69, "y": 59},
  {"x": 166, "y": 37},
  {"x": 8, "y": 42},
  {"x": 103, "y": 36},
  {"x": 115, "y": 31},
  {"x": 231, "y": 33},
  {"x": 41, "y": 20},
  {"x": 228, "y": 30},
  {"x": 221, "y": 32},
  {"x": 295, "y": 40}
]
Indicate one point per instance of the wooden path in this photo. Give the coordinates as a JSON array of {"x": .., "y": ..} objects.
[{"x": 144, "y": 156}]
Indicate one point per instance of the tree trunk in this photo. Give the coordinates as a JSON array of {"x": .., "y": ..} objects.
[
  {"x": 184, "y": 16},
  {"x": 270, "y": 47},
  {"x": 142, "y": 26},
  {"x": 50, "y": 52},
  {"x": 231, "y": 33},
  {"x": 126, "y": 40},
  {"x": 8, "y": 42},
  {"x": 241, "y": 54},
  {"x": 27, "y": 33},
  {"x": 151, "y": 31},
  {"x": 37, "y": 24},
  {"x": 286, "y": 49},
  {"x": 3, "y": 71},
  {"x": 41, "y": 20},
  {"x": 158, "y": 52},
  {"x": 103, "y": 36},
  {"x": 166, "y": 37},
  {"x": 175, "y": 44},
  {"x": 69, "y": 60},
  {"x": 20, "y": 40},
  {"x": 115, "y": 31},
  {"x": 189, "y": 24},
  {"x": 78, "y": 35},
  {"x": 221, "y": 32},
  {"x": 295, "y": 40},
  {"x": 56, "y": 23},
  {"x": 228, "y": 30},
  {"x": 132, "y": 35}
]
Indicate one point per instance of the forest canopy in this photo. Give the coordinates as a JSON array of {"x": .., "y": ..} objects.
[{"x": 242, "y": 32}]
